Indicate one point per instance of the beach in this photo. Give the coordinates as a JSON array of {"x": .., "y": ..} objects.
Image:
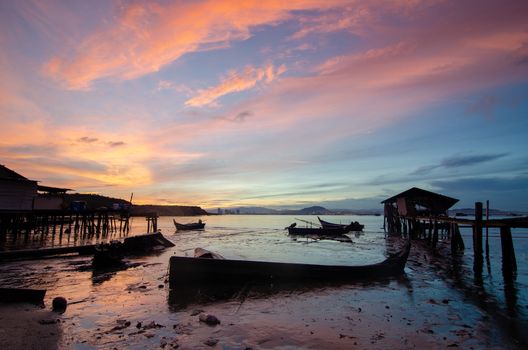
[{"x": 133, "y": 307}]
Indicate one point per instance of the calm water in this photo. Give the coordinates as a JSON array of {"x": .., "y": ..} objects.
[{"x": 137, "y": 293}]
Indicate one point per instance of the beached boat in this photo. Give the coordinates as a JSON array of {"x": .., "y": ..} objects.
[
  {"x": 22, "y": 295},
  {"x": 108, "y": 255},
  {"x": 187, "y": 271},
  {"x": 316, "y": 231},
  {"x": 190, "y": 226},
  {"x": 353, "y": 226}
]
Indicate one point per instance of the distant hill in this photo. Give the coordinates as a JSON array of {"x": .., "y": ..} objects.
[
  {"x": 313, "y": 210},
  {"x": 94, "y": 201},
  {"x": 168, "y": 210}
]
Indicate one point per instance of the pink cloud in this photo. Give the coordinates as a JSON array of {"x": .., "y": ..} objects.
[
  {"x": 235, "y": 82},
  {"x": 146, "y": 37}
]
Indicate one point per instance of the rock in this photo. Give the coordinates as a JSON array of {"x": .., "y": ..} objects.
[
  {"x": 152, "y": 325},
  {"x": 161, "y": 286},
  {"x": 59, "y": 304},
  {"x": 211, "y": 342},
  {"x": 138, "y": 325},
  {"x": 211, "y": 320},
  {"x": 47, "y": 321},
  {"x": 196, "y": 312}
]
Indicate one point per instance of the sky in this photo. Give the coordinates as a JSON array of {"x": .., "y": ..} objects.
[{"x": 280, "y": 104}]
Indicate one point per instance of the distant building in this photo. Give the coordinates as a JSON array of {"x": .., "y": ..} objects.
[{"x": 19, "y": 193}]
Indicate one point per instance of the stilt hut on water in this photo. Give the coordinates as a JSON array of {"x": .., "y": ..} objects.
[{"x": 402, "y": 210}]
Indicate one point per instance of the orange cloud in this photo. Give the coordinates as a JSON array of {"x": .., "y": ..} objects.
[
  {"x": 234, "y": 82},
  {"x": 148, "y": 36}
]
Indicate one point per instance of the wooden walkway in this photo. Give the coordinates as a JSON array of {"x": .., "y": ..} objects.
[{"x": 431, "y": 228}]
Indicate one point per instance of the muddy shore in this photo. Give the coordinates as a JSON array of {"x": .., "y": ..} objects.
[{"x": 418, "y": 310}]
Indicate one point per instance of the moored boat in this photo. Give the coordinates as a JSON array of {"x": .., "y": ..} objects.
[
  {"x": 187, "y": 271},
  {"x": 353, "y": 226},
  {"x": 190, "y": 226},
  {"x": 316, "y": 231}
]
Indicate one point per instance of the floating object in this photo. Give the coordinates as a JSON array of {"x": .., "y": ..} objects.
[{"x": 190, "y": 226}]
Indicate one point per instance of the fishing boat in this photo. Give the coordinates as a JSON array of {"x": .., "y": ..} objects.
[
  {"x": 188, "y": 271},
  {"x": 353, "y": 226},
  {"x": 316, "y": 231},
  {"x": 190, "y": 226}
]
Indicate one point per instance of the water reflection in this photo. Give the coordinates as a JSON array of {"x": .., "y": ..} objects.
[{"x": 181, "y": 297}]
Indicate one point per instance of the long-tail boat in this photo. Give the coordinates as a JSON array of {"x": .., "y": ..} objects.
[
  {"x": 190, "y": 226},
  {"x": 189, "y": 271},
  {"x": 316, "y": 231},
  {"x": 353, "y": 226}
]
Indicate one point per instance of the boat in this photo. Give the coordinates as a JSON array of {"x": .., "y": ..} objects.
[
  {"x": 190, "y": 226},
  {"x": 190, "y": 271},
  {"x": 353, "y": 226},
  {"x": 316, "y": 231},
  {"x": 21, "y": 295},
  {"x": 108, "y": 255}
]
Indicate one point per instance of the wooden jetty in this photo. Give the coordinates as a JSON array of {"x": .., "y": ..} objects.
[
  {"x": 423, "y": 215},
  {"x": 133, "y": 244},
  {"x": 60, "y": 227}
]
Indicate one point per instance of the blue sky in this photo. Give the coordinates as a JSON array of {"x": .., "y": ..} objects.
[{"x": 268, "y": 103}]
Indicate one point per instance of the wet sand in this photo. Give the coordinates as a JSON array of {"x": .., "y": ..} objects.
[
  {"x": 129, "y": 309},
  {"x": 25, "y": 326}
]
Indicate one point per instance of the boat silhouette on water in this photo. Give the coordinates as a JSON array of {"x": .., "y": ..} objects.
[{"x": 190, "y": 226}]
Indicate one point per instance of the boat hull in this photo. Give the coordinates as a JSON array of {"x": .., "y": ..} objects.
[
  {"x": 191, "y": 226},
  {"x": 21, "y": 295},
  {"x": 186, "y": 271},
  {"x": 317, "y": 231}
]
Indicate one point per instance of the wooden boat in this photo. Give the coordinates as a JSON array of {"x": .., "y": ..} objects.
[
  {"x": 21, "y": 295},
  {"x": 190, "y": 226},
  {"x": 316, "y": 231},
  {"x": 353, "y": 226},
  {"x": 108, "y": 255},
  {"x": 187, "y": 271}
]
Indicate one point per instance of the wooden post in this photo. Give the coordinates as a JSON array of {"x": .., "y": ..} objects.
[
  {"x": 477, "y": 239},
  {"x": 509, "y": 262},
  {"x": 435, "y": 234}
]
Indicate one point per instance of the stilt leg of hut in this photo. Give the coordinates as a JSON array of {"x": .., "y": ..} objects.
[
  {"x": 435, "y": 234},
  {"x": 509, "y": 262}
]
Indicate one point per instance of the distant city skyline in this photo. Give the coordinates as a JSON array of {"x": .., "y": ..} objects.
[{"x": 269, "y": 103}]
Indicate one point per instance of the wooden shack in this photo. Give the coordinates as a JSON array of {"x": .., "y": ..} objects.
[
  {"x": 419, "y": 202},
  {"x": 16, "y": 191},
  {"x": 402, "y": 209}
]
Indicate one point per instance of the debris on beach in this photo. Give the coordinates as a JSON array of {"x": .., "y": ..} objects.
[
  {"x": 211, "y": 342},
  {"x": 59, "y": 304},
  {"x": 211, "y": 320}
]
